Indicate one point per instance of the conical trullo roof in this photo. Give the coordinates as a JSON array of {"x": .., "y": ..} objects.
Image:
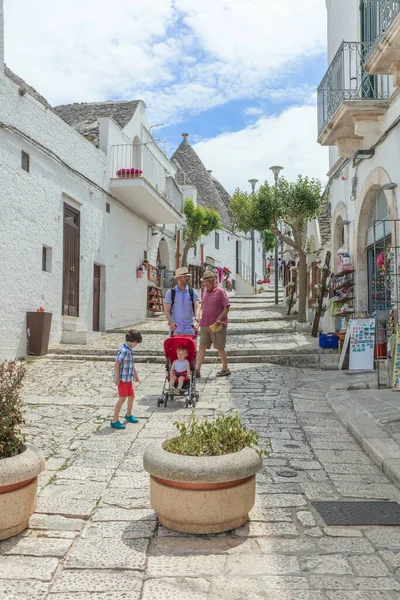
[{"x": 192, "y": 171}]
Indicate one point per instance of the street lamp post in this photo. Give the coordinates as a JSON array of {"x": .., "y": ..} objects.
[
  {"x": 253, "y": 183},
  {"x": 276, "y": 170}
]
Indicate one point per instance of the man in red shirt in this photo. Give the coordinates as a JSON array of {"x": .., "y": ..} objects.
[{"x": 213, "y": 323}]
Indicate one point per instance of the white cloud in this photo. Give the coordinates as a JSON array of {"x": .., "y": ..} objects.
[
  {"x": 253, "y": 111},
  {"x": 288, "y": 139},
  {"x": 180, "y": 56}
]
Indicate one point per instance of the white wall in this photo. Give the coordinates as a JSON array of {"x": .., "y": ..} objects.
[
  {"x": 343, "y": 24},
  {"x": 1, "y": 37}
]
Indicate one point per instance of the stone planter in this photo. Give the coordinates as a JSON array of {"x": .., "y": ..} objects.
[
  {"x": 196, "y": 494},
  {"x": 18, "y": 489}
]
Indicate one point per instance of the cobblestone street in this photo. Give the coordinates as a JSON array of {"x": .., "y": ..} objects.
[{"x": 95, "y": 535}]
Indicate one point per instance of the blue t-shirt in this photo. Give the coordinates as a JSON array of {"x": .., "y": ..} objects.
[{"x": 182, "y": 310}]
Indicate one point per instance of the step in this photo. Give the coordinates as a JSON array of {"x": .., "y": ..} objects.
[
  {"x": 306, "y": 360},
  {"x": 72, "y": 324},
  {"x": 74, "y": 337},
  {"x": 110, "y": 353},
  {"x": 254, "y": 307}
]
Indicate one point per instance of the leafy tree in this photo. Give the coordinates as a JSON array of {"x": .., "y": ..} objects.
[
  {"x": 287, "y": 206},
  {"x": 198, "y": 221},
  {"x": 268, "y": 240}
]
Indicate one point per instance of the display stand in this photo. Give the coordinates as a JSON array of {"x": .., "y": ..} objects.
[
  {"x": 318, "y": 312},
  {"x": 155, "y": 301},
  {"x": 343, "y": 287}
]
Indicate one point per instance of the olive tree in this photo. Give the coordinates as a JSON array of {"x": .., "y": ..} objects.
[
  {"x": 284, "y": 209},
  {"x": 198, "y": 221}
]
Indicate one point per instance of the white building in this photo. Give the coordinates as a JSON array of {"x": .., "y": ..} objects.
[
  {"x": 74, "y": 228},
  {"x": 359, "y": 118}
]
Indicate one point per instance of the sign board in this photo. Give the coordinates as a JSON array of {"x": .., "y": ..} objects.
[
  {"x": 152, "y": 273},
  {"x": 362, "y": 343}
]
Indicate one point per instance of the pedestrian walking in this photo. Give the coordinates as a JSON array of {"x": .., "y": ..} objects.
[
  {"x": 125, "y": 372},
  {"x": 213, "y": 323},
  {"x": 182, "y": 306}
]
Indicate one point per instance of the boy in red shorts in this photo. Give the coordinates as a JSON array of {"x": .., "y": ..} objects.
[{"x": 125, "y": 373}]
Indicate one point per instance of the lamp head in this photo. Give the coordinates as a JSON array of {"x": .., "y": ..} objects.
[
  {"x": 389, "y": 186},
  {"x": 253, "y": 181},
  {"x": 276, "y": 169}
]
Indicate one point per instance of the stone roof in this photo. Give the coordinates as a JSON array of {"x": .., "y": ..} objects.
[
  {"x": 25, "y": 86},
  {"x": 324, "y": 221},
  {"x": 210, "y": 192},
  {"x": 83, "y": 116}
]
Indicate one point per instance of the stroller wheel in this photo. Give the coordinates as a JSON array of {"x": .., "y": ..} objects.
[
  {"x": 159, "y": 401},
  {"x": 197, "y": 396},
  {"x": 187, "y": 403},
  {"x": 166, "y": 400}
]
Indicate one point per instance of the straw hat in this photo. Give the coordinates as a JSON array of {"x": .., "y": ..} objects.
[
  {"x": 216, "y": 327},
  {"x": 182, "y": 272},
  {"x": 208, "y": 275}
]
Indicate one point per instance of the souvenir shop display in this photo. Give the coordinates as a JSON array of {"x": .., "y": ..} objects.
[
  {"x": 396, "y": 365},
  {"x": 343, "y": 288}
]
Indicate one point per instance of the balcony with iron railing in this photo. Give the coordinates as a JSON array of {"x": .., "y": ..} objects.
[
  {"x": 142, "y": 183},
  {"x": 380, "y": 24},
  {"x": 348, "y": 97}
]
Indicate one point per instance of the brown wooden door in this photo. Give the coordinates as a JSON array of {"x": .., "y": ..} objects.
[
  {"x": 71, "y": 262},
  {"x": 96, "y": 298}
]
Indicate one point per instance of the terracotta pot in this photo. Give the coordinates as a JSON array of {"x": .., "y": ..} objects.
[
  {"x": 18, "y": 489},
  {"x": 196, "y": 494}
]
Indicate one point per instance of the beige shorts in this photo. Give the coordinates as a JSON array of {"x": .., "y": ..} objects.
[{"x": 208, "y": 337}]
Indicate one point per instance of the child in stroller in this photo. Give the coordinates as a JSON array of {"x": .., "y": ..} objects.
[{"x": 188, "y": 390}]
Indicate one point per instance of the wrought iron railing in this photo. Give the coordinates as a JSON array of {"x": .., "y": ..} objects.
[
  {"x": 244, "y": 271},
  {"x": 377, "y": 16},
  {"x": 346, "y": 79}
]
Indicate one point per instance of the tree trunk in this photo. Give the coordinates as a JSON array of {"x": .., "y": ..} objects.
[
  {"x": 185, "y": 253},
  {"x": 302, "y": 283}
]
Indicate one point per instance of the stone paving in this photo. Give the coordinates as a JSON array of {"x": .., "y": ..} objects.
[{"x": 94, "y": 535}]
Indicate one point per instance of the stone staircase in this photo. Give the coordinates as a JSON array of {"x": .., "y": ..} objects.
[{"x": 259, "y": 332}]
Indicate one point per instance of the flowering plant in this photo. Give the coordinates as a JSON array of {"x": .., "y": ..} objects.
[
  {"x": 226, "y": 270},
  {"x": 292, "y": 284},
  {"x": 228, "y": 285},
  {"x": 324, "y": 307},
  {"x": 322, "y": 267},
  {"x": 40, "y": 309},
  {"x": 129, "y": 172},
  {"x": 289, "y": 299},
  {"x": 11, "y": 438}
]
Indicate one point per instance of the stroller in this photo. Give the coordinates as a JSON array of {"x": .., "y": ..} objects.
[{"x": 171, "y": 345}]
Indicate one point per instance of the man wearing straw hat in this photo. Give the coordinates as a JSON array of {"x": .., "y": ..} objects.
[
  {"x": 181, "y": 305},
  {"x": 214, "y": 321}
]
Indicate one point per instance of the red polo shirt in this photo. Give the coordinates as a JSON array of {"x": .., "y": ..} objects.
[{"x": 213, "y": 303}]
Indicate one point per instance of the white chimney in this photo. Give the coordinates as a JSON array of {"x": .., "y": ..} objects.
[{"x": 1, "y": 38}]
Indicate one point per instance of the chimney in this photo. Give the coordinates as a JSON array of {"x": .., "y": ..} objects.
[
  {"x": 184, "y": 135},
  {"x": 209, "y": 171},
  {"x": 1, "y": 38}
]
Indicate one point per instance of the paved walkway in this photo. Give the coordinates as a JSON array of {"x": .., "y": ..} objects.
[{"x": 95, "y": 536}]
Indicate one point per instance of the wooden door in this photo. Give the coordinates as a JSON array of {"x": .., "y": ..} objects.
[
  {"x": 71, "y": 262},
  {"x": 96, "y": 298}
]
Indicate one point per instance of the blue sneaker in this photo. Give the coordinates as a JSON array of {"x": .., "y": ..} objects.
[
  {"x": 117, "y": 425},
  {"x": 131, "y": 419}
]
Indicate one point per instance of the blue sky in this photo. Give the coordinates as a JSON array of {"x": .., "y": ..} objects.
[{"x": 238, "y": 75}]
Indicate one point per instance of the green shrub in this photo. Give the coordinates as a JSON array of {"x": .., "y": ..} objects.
[
  {"x": 11, "y": 438},
  {"x": 223, "y": 435}
]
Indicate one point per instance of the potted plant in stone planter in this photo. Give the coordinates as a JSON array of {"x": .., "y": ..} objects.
[
  {"x": 20, "y": 463},
  {"x": 203, "y": 481}
]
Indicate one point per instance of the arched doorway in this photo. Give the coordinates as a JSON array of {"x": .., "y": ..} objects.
[{"x": 371, "y": 238}]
